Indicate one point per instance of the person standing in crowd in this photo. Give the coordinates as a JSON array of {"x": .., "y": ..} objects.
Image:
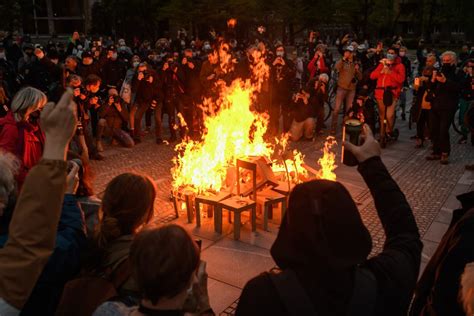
[
  {"x": 113, "y": 116},
  {"x": 73, "y": 44},
  {"x": 113, "y": 70},
  {"x": 444, "y": 97},
  {"x": 208, "y": 74},
  {"x": 390, "y": 75},
  {"x": 8, "y": 76},
  {"x": 466, "y": 98},
  {"x": 349, "y": 74},
  {"x": 282, "y": 73},
  {"x": 70, "y": 66},
  {"x": 27, "y": 58},
  {"x": 190, "y": 68},
  {"x": 172, "y": 87},
  {"x": 318, "y": 97},
  {"x": 20, "y": 134},
  {"x": 89, "y": 66},
  {"x": 318, "y": 63},
  {"x": 145, "y": 87},
  {"x": 406, "y": 84},
  {"x": 422, "y": 106},
  {"x": 324, "y": 272}
]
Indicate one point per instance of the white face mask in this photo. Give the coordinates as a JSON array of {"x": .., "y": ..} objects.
[
  {"x": 54, "y": 61},
  {"x": 114, "y": 56},
  {"x": 135, "y": 64},
  {"x": 2, "y": 55}
]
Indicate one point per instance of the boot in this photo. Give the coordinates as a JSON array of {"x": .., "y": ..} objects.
[
  {"x": 433, "y": 156},
  {"x": 99, "y": 146},
  {"x": 444, "y": 159}
]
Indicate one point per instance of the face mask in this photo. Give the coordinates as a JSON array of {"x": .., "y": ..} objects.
[
  {"x": 391, "y": 56},
  {"x": 135, "y": 64},
  {"x": 2, "y": 55},
  {"x": 446, "y": 68},
  {"x": 54, "y": 61},
  {"x": 402, "y": 54},
  {"x": 280, "y": 54},
  {"x": 207, "y": 47},
  {"x": 114, "y": 55}
]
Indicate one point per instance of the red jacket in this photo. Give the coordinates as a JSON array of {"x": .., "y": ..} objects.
[
  {"x": 313, "y": 67},
  {"x": 24, "y": 140},
  {"x": 394, "y": 79}
]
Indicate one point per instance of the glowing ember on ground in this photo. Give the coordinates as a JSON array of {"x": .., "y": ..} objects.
[{"x": 232, "y": 130}]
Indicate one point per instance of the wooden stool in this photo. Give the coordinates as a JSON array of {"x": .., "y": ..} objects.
[
  {"x": 187, "y": 196},
  {"x": 213, "y": 202},
  {"x": 237, "y": 205},
  {"x": 267, "y": 199}
]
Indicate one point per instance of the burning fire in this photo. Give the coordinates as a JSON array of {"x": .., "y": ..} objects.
[
  {"x": 232, "y": 130},
  {"x": 328, "y": 161}
]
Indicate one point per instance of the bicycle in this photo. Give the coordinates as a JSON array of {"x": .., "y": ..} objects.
[{"x": 456, "y": 123}]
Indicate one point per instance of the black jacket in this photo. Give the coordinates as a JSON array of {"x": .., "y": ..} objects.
[
  {"x": 145, "y": 91},
  {"x": 438, "y": 289},
  {"x": 446, "y": 95},
  {"x": 113, "y": 73},
  {"x": 395, "y": 269}
]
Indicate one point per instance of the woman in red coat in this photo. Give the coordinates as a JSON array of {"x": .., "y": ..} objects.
[
  {"x": 20, "y": 133},
  {"x": 390, "y": 74}
]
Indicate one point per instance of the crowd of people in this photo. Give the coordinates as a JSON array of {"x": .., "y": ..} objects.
[{"x": 59, "y": 103}]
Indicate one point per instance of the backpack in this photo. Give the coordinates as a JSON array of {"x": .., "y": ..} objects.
[
  {"x": 83, "y": 295},
  {"x": 297, "y": 302}
]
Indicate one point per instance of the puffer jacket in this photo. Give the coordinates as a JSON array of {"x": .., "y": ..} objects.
[{"x": 394, "y": 79}]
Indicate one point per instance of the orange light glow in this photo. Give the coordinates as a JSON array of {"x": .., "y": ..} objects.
[{"x": 328, "y": 161}]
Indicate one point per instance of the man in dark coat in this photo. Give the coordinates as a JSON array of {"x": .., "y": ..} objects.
[
  {"x": 113, "y": 71},
  {"x": 282, "y": 74},
  {"x": 445, "y": 87},
  {"x": 191, "y": 97},
  {"x": 437, "y": 292},
  {"x": 323, "y": 245}
]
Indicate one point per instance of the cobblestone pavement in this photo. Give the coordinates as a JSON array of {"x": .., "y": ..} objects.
[{"x": 427, "y": 185}]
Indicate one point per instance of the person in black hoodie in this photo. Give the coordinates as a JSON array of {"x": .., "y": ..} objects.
[
  {"x": 437, "y": 291},
  {"x": 322, "y": 249},
  {"x": 113, "y": 71},
  {"x": 88, "y": 66},
  {"x": 190, "y": 69},
  {"x": 444, "y": 97}
]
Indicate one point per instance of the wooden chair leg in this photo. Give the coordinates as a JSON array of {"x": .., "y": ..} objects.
[
  {"x": 218, "y": 219},
  {"x": 175, "y": 204},
  {"x": 254, "y": 217},
  {"x": 189, "y": 209},
  {"x": 210, "y": 211},
  {"x": 230, "y": 217},
  {"x": 237, "y": 225},
  {"x": 270, "y": 210},
  {"x": 198, "y": 215},
  {"x": 265, "y": 217}
]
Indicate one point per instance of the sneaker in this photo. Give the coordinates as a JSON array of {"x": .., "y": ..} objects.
[
  {"x": 404, "y": 117},
  {"x": 433, "y": 157},
  {"x": 444, "y": 159},
  {"x": 159, "y": 141},
  {"x": 463, "y": 140}
]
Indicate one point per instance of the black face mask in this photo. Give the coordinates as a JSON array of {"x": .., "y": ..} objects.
[{"x": 448, "y": 68}]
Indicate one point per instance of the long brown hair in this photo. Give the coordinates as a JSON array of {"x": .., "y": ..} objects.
[{"x": 127, "y": 204}]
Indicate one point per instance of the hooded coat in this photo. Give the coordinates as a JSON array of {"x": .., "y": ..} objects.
[{"x": 323, "y": 240}]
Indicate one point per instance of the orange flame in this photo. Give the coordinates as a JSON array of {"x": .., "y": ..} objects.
[
  {"x": 328, "y": 161},
  {"x": 232, "y": 130}
]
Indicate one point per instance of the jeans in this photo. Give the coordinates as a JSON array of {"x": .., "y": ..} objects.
[
  {"x": 299, "y": 129},
  {"x": 341, "y": 95},
  {"x": 440, "y": 121}
]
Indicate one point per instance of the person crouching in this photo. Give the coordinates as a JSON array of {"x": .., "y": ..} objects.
[{"x": 303, "y": 122}]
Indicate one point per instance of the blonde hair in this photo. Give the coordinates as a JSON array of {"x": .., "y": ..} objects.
[
  {"x": 467, "y": 289},
  {"x": 26, "y": 101},
  {"x": 451, "y": 54}
]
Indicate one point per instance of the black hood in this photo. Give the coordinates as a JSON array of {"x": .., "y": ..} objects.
[{"x": 322, "y": 229}]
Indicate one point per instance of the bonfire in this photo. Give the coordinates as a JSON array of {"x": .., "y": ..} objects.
[{"x": 233, "y": 130}]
